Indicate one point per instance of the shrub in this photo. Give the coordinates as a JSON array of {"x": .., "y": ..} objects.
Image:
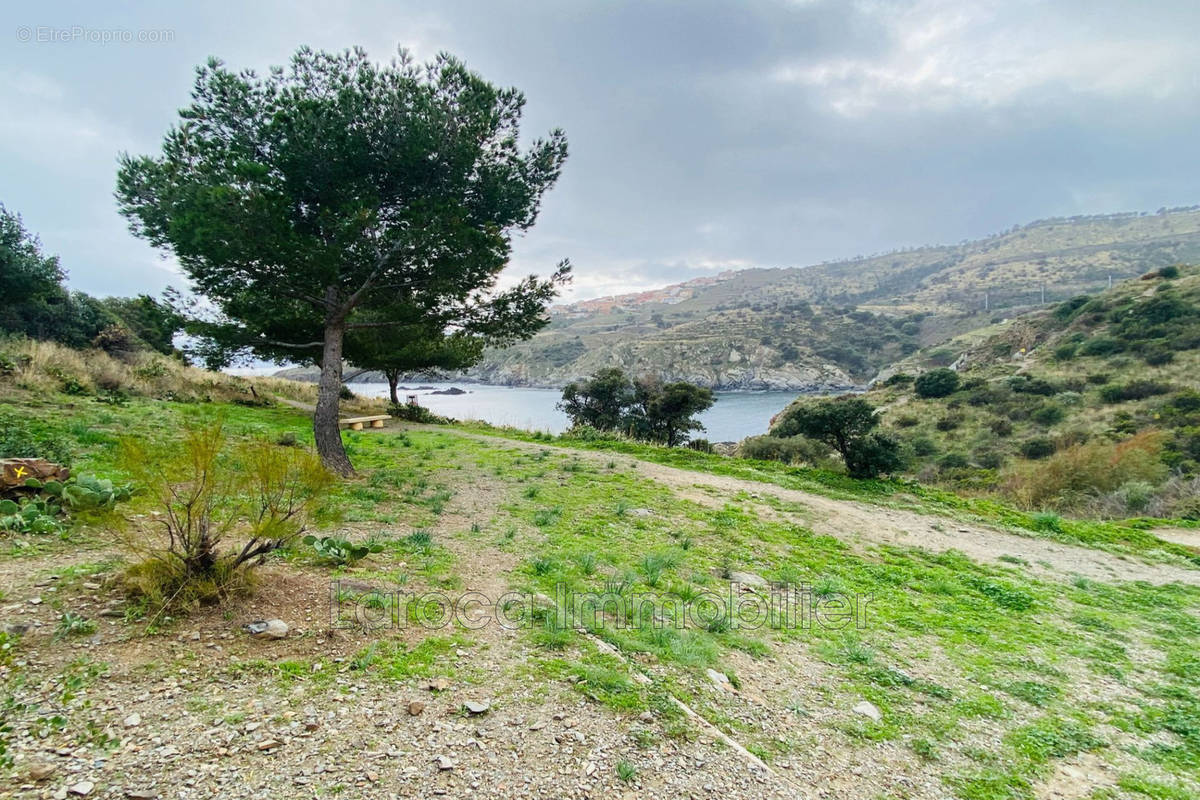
[
  {"x": 21, "y": 437},
  {"x": 988, "y": 458},
  {"x": 586, "y": 433},
  {"x": 1048, "y": 414},
  {"x": 1082, "y": 470},
  {"x": 1000, "y": 427},
  {"x": 953, "y": 461},
  {"x": 1156, "y": 355},
  {"x": 936, "y": 383},
  {"x": 411, "y": 412},
  {"x": 793, "y": 450},
  {"x": 949, "y": 422},
  {"x": 1169, "y": 273},
  {"x": 907, "y": 421},
  {"x": 1065, "y": 352},
  {"x": 1039, "y": 447},
  {"x": 899, "y": 379},
  {"x": 1134, "y": 390},
  {"x": 206, "y": 493},
  {"x": 1101, "y": 346},
  {"x": 1098, "y": 378},
  {"x": 846, "y": 424},
  {"x": 922, "y": 446},
  {"x": 701, "y": 445}
]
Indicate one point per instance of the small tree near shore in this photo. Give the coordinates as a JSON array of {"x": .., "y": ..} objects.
[{"x": 847, "y": 424}]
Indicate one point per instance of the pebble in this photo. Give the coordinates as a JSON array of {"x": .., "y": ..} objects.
[
  {"x": 477, "y": 706},
  {"x": 39, "y": 772},
  {"x": 132, "y": 721},
  {"x": 439, "y": 685},
  {"x": 269, "y": 744},
  {"x": 444, "y": 763},
  {"x": 415, "y": 708},
  {"x": 83, "y": 788}
]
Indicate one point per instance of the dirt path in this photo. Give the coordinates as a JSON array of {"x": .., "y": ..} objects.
[{"x": 863, "y": 525}]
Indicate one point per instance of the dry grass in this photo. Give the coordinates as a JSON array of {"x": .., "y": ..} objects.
[{"x": 38, "y": 367}]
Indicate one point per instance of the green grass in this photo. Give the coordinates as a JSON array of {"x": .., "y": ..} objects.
[{"x": 951, "y": 645}]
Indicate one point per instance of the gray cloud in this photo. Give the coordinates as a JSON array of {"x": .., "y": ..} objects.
[{"x": 704, "y": 136}]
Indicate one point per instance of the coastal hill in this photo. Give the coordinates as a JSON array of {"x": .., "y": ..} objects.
[{"x": 837, "y": 324}]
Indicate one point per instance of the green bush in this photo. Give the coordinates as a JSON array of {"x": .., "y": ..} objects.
[
  {"x": 23, "y": 438},
  {"x": 1134, "y": 390},
  {"x": 411, "y": 412},
  {"x": 1037, "y": 448},
  {"x": 936, "y": 383},
  {"x": 1101, "y": 346},
  {"x": 1001, "y": 427},
  {"x": 792, "y": 450},
  {"x": 1049, "y": 414}
]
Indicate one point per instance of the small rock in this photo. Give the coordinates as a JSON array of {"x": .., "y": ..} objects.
[
  {"x": 141, "y": 794},
  {"x": 719, "y": 678},
  {"x": 590, "y": 769},
  {"x": 868, "y": 709},
  {"x": 39, "y": 772},
  {"x": 415, "y": 708},
  {"x": 91, "y": 585},
  {"x": 268, "y": 629},
  {"x": 640, "y": 512},
  {"x": 439, "y": 685},
  {"x": 477, "y": 706},
  {"x": 132, "y": 721},
  {"x": 444, "y": 763},
  {"x": 311, "y": 725},
  {"x": 16, "y": 629},
  {"x": 37, "y": 601},
  {"x": 646, "y": 716},
  {"x": 269, "y": 744},
  {"x": 83, "y": 788},
  {"x": 537, "y": 726},
  {"x": 373, "y": 777}
]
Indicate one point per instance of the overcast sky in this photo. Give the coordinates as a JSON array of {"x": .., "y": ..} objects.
[{"x": 703, "y": 136}]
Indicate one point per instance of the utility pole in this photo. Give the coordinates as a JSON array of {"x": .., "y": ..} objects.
[
  {"x": 986, "y": 305},
  {"x": 1043, "y": 294},
  {"x": 1110, "y": 281}
]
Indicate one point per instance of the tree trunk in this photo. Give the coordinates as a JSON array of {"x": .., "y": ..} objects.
[
  {"x": 329, "y": 397},
  {"x": 393, "y": 378}
]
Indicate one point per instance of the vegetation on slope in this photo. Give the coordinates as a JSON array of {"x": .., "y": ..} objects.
[
  {"x": 1091, "y": 406},
  {"x": 837, "y": 323}
]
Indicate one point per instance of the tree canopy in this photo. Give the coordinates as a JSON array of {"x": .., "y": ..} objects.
[
  {"x": 339, "y": 194},
  {"x": 847, "y": 425},
  {"x": 34, "y": 301},
  {"x": 645, "y": 408}
]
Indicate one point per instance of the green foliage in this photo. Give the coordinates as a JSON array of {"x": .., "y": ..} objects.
[
  {"x": 411, "y": 412},
  {"x": 787, "y": 450},
  {"x": 936, "y": 383},
  {"x": 1134, "y": 390},
  {"x": 22, "y": 437},
  {"x": 206, "y": 492},
  {"x": 319, "y": 202},
  {"x": 338, "y": 550},
  {"x": 29, "y": 515},
  {"x": 646, "y": 409},
  {"x": 845, "y": 424},
  {"x": 1037, "y": 447}
]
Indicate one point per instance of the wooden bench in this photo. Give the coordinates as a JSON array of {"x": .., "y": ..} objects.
[{"x": 356, "y": 423}]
